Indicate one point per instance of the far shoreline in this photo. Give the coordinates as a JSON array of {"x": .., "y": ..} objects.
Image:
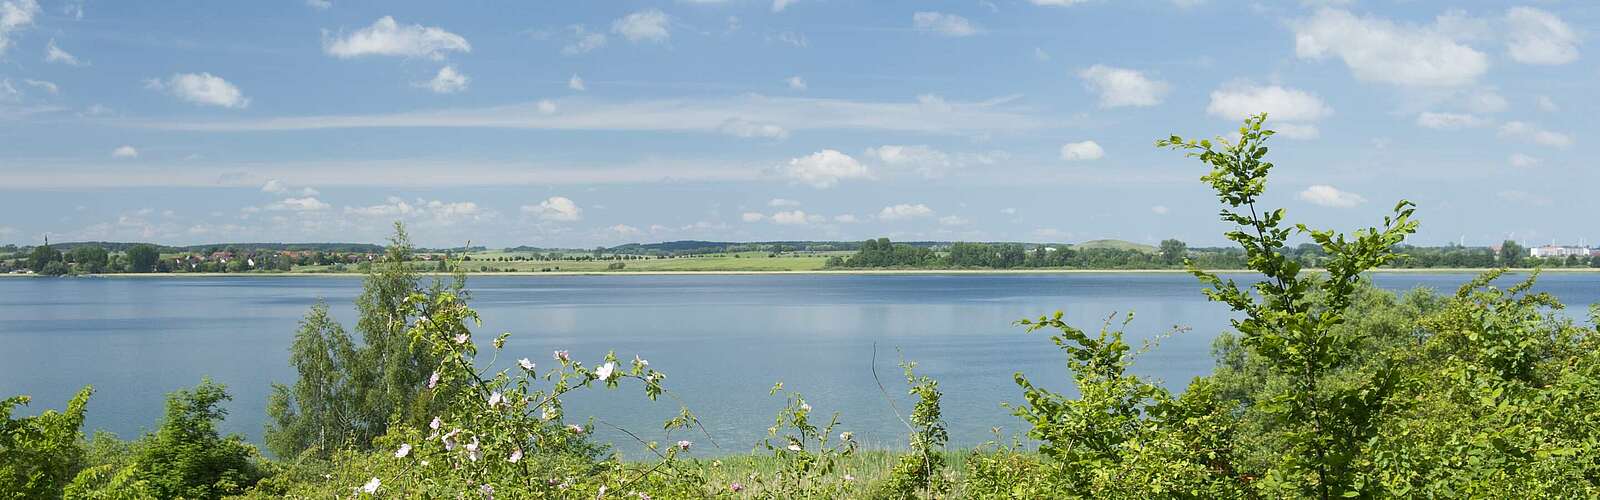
[{"x": 890, "y": 272}]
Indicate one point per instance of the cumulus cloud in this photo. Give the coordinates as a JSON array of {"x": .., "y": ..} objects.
[
  {"x": 624, "y": 230},
  {"x": 944, "y": 24},
  {"x": 845, "y": 219},
  {"x": 1329, "y": 196},
  {"x": 447, "y": 81},
  {"x": 904, "y": 211},
  {"x": 791, "y": 217},
  {"x": 1082, "y": 151},
  {"x": 15, "y": 16},
  {"x": 125, "y": 151},
  {"x": 556, "y": 208},
  {"x": 824, "y": 169},
  {"x": 306, "y": 204},
  {"x": 1485, "y": 101},
  {"x": 1383, "y": 51},
  {"x": 752, "y": 216},
  {"x": 1448, "y": 121},
  {"x": 433, "y": 210},
  {"x": 954, "y": 220},
  {"x": 649, "y": 25},
  {"x": 739, "y": 127},
  {"x": 274, "y": 186},
  {"x": 1547, "y": 104},
  {"x": 1160, "y": 210},
  {"x": 547, "y": 106},
  {"x": 779, "y": 5},
  {"x": 1119, "y": 87},
  {"x": 583, "y": 41},
  {"x": 386, "y": 37},
  {"x": 1520, "y": 160},
  {"x": 1539, "y": 37},
  {"x": 796, "y": 83},
  {"x": 54, "y": 55},
  {"x": 1289, "y": 108},
  {"x": 782, "y": 202},
  {"x": 576, "y": 83},
  {"x": 48, "y": 87},
  {"x": 201, "y": 88},
  {"x": 1524, "y": 131},
  {"x": 923, "y": 159}
]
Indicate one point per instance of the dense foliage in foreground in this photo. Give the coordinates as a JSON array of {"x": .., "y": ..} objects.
[{"x": 1326, "y": 388}]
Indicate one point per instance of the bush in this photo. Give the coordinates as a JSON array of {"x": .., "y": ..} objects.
[{"x": 40, "y": 455}]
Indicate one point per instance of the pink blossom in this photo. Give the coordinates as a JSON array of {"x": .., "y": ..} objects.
[
  {"x": 487, "y": 490},
  {"x": 848, "y": 478},
  {"x": 575, "y": 429},
  {"x": 606, "y": 371},
  {"x": 526, "y": 364},
  {"x": 736, "y": 487},
  {"x": 495, "y": 399},
  {"x": 405, "y": 449},
  {"x": 371, "y": 486},
  {"x": 562, "y": 356},
  {"x": 473, "y": 453},
  {"x": 461, "y": 338},
  {"x": 516, "y": 456},
  {"x": 433, "y": 380},
  {"x": 684, "y": 445},
  {"x": 640, "y": 361}
]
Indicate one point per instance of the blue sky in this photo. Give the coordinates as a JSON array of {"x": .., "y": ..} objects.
[{"x": 587, "y": 123}]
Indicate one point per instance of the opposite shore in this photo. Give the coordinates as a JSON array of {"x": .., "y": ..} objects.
[{"x": 1440, "y": 270}]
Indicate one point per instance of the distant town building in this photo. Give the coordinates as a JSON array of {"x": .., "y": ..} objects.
[{"x": 1549, "y": 251}]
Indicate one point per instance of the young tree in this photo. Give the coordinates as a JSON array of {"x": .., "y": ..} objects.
[
  {"x": 42, "y": 256},
  {"x": 187, "y": 457},
  {"x": 1512, "y": 254},
  {"x": 142, "y": 258},
  {"x": 89, "y": 258},
  {"x": 1174, "y": 251},
  {"x": 40, "y": 455}
]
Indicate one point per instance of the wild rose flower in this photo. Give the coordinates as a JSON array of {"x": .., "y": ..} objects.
[
  {"x": 562, "y": 356},
  {"x": 461, "y": 338},
  {"x": 849, "y": 478},
  {"x": 449, "y": 439},
  {"x": 606, "y": 370},
  {"x": 735, "y": 487},
  {"x": 601, "y": 494},
  {"x": 684, "y": 445},
  {"x": 487, "y": 490},
  {"x": 433, "y": 380},
  {"x": 405, "y": 449},
  {"x": 525, "y": 364},
  {"x": 805, "y": 407},
  {"x": 549, "y": 413},
  {"x": 516, "y": 456},
  {"x": 435, "y": 423},
  {"x": 795, "y": 447},
  {"x": 473, "y": 453},
  {"x": 371, "y": 486},
  {"x": 575, "y": 429},
  {"x": 495, "y": 399},
  {"x": 846, "y": 435},
  {"x": 640, "y": 361}
]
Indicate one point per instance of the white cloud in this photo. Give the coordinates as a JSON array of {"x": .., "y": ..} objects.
[
  {"x": 1082, "y": 151},
  {"x": 15, "y": 16},
  {"x": 556, "y": 208},
  {"x": 306, "y": 204},
  {"x": 1296, "y": 130},
  {"x": 448, "y": 81},
  {"x": 1547, "y": 105},
  {"x": 781, "y": 202},
  {"x": 547, "y": 106},
  {"x": 1057, "y": 3},
  {"x": 1329, "y": 196},
  {"x": 1448, "y": 121},
  {"x": 752, "y": 216},
  {"x": 385, "y": 37},
  {"x": 1380, "y": 50},
  {"x": 845, "y": 219},
  {"x": 953, "y": 220},
  {"x": 1525, "y": 198},
  {"x": 904, "y": 211},
  {"x": 1160, "y": 210},
  {"x": 750, "y": 130},
  {"x": 319, "y": 4},
  {"x": 576, "y": 83},
  {"x": 624, "y": 230},
  {"x": 944, "y": 24},
  {"x": 54, "y": 54},
  {"x": 1009, "y": 211},
  {"x": 1485, "y": 101},
  {"x": 201, "y": 88},
  {"x": 791, "y": 217},
  {"x": 48, "y": 87},
  {"x": 584, "y": 41},
  {"x": 1237, "y": 102},
  {"x": 824, "y": 169},
  {"x": 1539, "y": 37},
  {"x": 125, "y": 151},
  {"x": 1520, "y": 160},
  {"x": 1525, "y": 131},
  {"x": 1123, "y": 87},
  {"x": 926, "y": 160},
  {"x": 779, "y": 5},
  {"x": 649, "y": 25},
  {"x": 432, "y": 210},
  {"x": 274, "y": 186},
  {"x": 796, "y": 83}
]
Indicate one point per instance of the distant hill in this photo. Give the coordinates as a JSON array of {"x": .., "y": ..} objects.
[
  {"x": 1115, "y": 244},
  {"x": 116, "y": 246}
]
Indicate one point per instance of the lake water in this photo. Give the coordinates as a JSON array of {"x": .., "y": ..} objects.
[{"x": 723, "y": 340}]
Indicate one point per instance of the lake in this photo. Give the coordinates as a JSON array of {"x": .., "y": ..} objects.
[{"x": 722, "y": 340}]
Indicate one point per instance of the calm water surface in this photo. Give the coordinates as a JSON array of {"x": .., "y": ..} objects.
[{"x": 723, "y": 340}]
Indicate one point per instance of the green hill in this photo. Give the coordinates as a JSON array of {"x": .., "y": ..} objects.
[{"x": 1115, "y": 244}]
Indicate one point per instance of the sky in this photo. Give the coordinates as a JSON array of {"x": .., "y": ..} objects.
[{"x": 576, "y": 124}]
